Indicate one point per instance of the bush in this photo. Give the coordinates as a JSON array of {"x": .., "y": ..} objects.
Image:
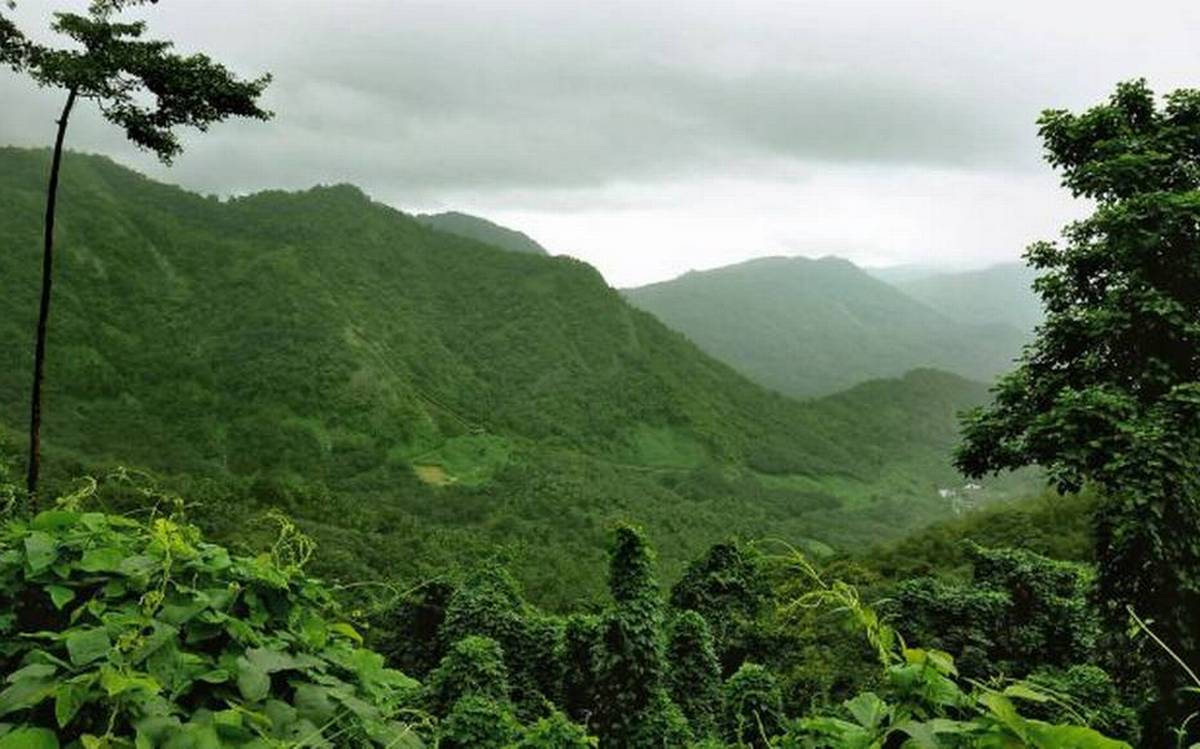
[
  {"x": 473, "y": 667},
  {"x": 119, "y": 631},
  {"x": 694, "y": 675},
  {"x": 753, "y": 706}
]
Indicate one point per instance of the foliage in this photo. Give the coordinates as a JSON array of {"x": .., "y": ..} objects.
[
  {"x": 1018, "y": 610},
  {"x": 753, "y": 706},
  {"x": 628, "y": 657},
  {"x": 109, "y": 61},
  {"x": 305, "y": 350},
  {"x": 476, "y": 722},
  {"x": 1109, "y": 392},
  {"x": 473, "y": 667},
  {"x": 728, "y": 588},
  {"x": 580, "y": 643},
  {"x": 556, "y": 732},
  {"x": 693, "y": 672},
  {"x": 922, "y": 702},
  {"x": 489, "y": 603},
  {"x": 118, "y": 630}
]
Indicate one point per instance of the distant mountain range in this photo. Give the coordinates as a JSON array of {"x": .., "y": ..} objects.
[
  {"x": 481, "y": 230},
  {"x": 414, "y": 397},
  {"x": 1001, "y": 293},
  {"x": 812, "y": 327}
]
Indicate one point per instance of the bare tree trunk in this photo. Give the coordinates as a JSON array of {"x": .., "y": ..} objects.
[{"x": 39, "y": 353}]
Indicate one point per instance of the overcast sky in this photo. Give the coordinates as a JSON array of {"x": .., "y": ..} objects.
[{"x": 650, "y": 138}]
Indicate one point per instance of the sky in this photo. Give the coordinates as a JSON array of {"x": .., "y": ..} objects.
[{"x": 650, "y": 138}]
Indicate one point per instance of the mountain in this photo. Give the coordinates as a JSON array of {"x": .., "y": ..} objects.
[
  {"x": 481, "y": 230},
  {"x": 812, "y": 327},
  {"x": 414, "y": 398},
  {"x": 999, "y": 294}
]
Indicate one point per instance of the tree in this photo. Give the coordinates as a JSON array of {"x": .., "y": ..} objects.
[
  {"x": 139, "y": 85},
  {"x": 694, "y": 673},
  {"x": 1108, "y": 393},
  {"x": 633, "y": 708}
]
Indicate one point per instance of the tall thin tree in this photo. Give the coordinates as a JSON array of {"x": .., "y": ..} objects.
[{"x": 139, "y": 85}]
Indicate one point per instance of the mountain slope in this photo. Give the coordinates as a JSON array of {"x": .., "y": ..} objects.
[
  {"x": 812, "y": 327},
  {"x": 415, "y": 397},
  {"x": 999, "y": 294},
  {"x": 481, "y": 230}
]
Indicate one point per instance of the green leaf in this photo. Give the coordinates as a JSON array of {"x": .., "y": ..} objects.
[
  {"x": 40, "y": 551},
  {"x": 60, "y": 595},
  {"x": 103, "y": 559},
  {"x": 54, "y": 520},
  {"x": 1023, "y": 691},
  {"x": 343, "y": 628},
  {"x": 88, "y": 645},
  {"x": 68, "y": 699},
  {"x": 253, "y": 681},
  {"x": 117, "y": 683},
  {"x": 867, "y": 709},
  {"x": 25, "y": 693},
  {"x": 920, "y": 734},
  {"x": 29, "y": 738},
  {"x": 1075, "y": 737}
]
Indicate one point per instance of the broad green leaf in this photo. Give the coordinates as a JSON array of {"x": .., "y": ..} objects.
[
  {"x": 867, "y": 709},
  {"x": 29, "y": 738},
  {"x": 88, "y": 645},
  {"x": 25, "y": 693},
  {"x": 54, "y": 520},
  {"x": 252, "y": 680},
  {"x": 1074, "y": 737},
  {"x": 116, "y": 682},
  {"x": 343, "y": 628},
  {"x": 1023, "y": 691},
  {"x": 60, "y": 595},
  {"x": 32, "y": 671},
  {"x": 102, "y": 559},
  {"x": 920, "y": 735},
  {"x": 40, "y": 551},
  {"x": 68, "y": 698}
]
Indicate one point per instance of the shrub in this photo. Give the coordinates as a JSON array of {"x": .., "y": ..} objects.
[
  {"x": 474, "y": 666},
  {"x": 477, "y": 722},
  {"x": 116, "y": 631},
  {"x": 753, "y": 706},
  {"x": 694, "y": 675}
]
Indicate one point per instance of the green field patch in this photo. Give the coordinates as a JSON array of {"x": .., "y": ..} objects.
[
  {"x": 471, "y": 460},
  {"x": 663, "y": 447}
]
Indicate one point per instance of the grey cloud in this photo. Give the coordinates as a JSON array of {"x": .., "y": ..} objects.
[
  {"x": 565, "y": 94},
  {"x": 892, "y": 125}
]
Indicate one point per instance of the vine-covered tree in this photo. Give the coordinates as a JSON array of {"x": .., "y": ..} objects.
[
  {"x": 1109, "y": 391},
  {"x": 694, "y": 673},
  {"x": 633, "y": 708},
  {"x": 141, "y": 86}
]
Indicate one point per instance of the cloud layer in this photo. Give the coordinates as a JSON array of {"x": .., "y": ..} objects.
[{"x": 651, "y": 137}]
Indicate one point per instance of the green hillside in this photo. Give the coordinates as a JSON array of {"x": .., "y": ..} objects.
[
  {"x": 999, "y": 294},
  {"x": 812, "y": 327},
  {"x": 482, "y": 230},
  {"x": 415, "y": 398}
]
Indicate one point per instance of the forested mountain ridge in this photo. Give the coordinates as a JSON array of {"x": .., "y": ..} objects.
[
  {"x": 400, "y": 388},
  {"x": 488, "y": 232},
  {"x": 812, "y": 327},
  {"x": 997, "y": 294}
]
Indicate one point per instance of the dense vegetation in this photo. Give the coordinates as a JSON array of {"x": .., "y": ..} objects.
[
  {"x": 414, "y": 398},
  {"x": 128, "y": 632},
  {"x": 1108, "y": 394},
  {"x": 481, "y": 230},
  {"x": 811, "y": 327}
]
